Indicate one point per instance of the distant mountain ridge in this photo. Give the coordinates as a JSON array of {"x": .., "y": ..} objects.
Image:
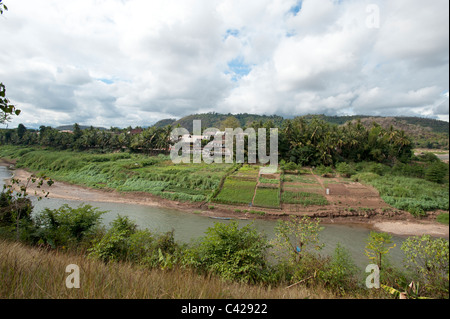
[
  {"x": 83, "y": 127},
  {"x": 401, "y": 122}
]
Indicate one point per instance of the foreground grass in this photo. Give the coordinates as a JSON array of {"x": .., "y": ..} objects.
[{"x": 31, "y": 273}]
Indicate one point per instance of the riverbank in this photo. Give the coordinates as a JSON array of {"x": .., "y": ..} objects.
[{"x": 398, "y": 223}]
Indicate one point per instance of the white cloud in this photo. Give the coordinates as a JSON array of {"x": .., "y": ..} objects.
[{"x": 136, "y": 61}]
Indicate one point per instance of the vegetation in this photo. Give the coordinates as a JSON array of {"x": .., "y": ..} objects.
[
  {"x": 239, "y": 187},
  {"x": 267, "y": 197},
  {"x": 428, "y": 258},
  {"x": 443, "y": 218},
  {"x": 227, "y": 252},
  {"x": 125, "y": 172},
  {"x": 303, "y": 198}
]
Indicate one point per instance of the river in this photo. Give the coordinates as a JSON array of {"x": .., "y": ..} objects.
[{"x": 188, "y": 226}]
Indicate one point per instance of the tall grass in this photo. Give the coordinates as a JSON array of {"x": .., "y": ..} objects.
[
  {"x": 123, "y": 172},
  {"x": 407, "y": 193},
  {"x": 32, "y": 273}
]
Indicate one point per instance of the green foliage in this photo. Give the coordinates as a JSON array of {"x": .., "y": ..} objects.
[
  {"x": 428, "y": 258},
  {"x": 443, "y": 218},
  {"x": 340, "y": 273},
  {"x": 124, "y": 172},
  {"x": 303, "y": 198},
  {"x": 291, "y": 166},
  {"x": 6, "y": 109},
  {"x": 296, "y": 236},
  {"x": 414, "y": 195},
  {"x": 236, "y": 192},
  {"x": 378, "y": 247},
  {"x": 429, "y": 157},
  {"x": 344, "y": 169},
  {"x": 324, "y": 171},
  {"x": 263, "y": 180},
  {"x": 436, "y": 172},
  {"x": 124, "y": 242},
  {"x": 267, "y": 197},
  {"x": 233, "y": 253},
  {"x": 67, "y": 226}
]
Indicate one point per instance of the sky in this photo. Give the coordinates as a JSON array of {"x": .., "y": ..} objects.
[{"x": 133, "y": 62}]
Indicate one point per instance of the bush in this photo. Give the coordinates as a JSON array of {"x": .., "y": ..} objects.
[
  {"x": 124, "y": 242},
  {"x": 436, "y": 172},
  {"x": 340, "y": 273},
  {"x": 365, "y": 177},
  {"x": 324, "y": 171},
  {"x": 428, "y": 258},
  {"x": 291, "y": 166},
  {"x": 429, "y": 157},
  {"x": 344, "y": 169},
  {"x": 67, "y": 226},
  {"x": 233, "y": 253}
]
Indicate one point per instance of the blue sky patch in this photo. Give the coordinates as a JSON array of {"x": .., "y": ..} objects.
[
  {"x": 106, "y": 81},
  {"x": 238, "y": 68},
  {"x": 296, "y": 9}
]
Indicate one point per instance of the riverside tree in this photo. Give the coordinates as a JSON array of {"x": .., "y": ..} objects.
[{"x": 6, "y": 109}]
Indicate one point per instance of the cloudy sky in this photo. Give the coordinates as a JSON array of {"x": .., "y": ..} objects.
[{"x": 133, "y": 62}]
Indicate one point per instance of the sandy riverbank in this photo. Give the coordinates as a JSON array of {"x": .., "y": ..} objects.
[{"x": 61, "y": 190}]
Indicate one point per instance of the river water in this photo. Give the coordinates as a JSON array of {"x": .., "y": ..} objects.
[{"x": 188, "y": 226}]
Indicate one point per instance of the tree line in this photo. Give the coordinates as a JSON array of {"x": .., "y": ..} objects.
[{"x": 301, "y": 141}]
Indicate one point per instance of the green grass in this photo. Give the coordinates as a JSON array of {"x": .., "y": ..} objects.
[
  {"x": 125, "y": 172},
  {"x": 300, "y": 179},
  {"x": 303, "y": 198},
  {"x": 267, "y": 197},
  {"x": 269, "y": 181},
  {"x": 236, "y": 192},
  {"x": 414, "y": 195},
  {"x": 443, "y": 218}
]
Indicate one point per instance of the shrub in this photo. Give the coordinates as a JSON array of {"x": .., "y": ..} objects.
[
  {"x": 324, "y": 171},
  {"x": 344, "y": 169},
  {"x": 428, "y": 258},
  {"x": 340, "y": 273},
  {"x": 233, "y": 253},
  {"x": 124, "y": 242},
  {"x": 436, "y": 172},
  {"x": 67, "y": 226}
]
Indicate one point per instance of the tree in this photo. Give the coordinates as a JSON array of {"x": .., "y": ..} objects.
[
  {"x": 436, "y": 172},
  {"x": 378, "y": 246},
  {"x": 77, "y": 132},
  {"x": 429, "y": 260},
  {"x": 3, "y": 7},
  {"x": 21, "y": 130},
  {"x": 6, "y": 109},
  {"x": 230, "y": 122},
  {"x": 295, "y": 236}
]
